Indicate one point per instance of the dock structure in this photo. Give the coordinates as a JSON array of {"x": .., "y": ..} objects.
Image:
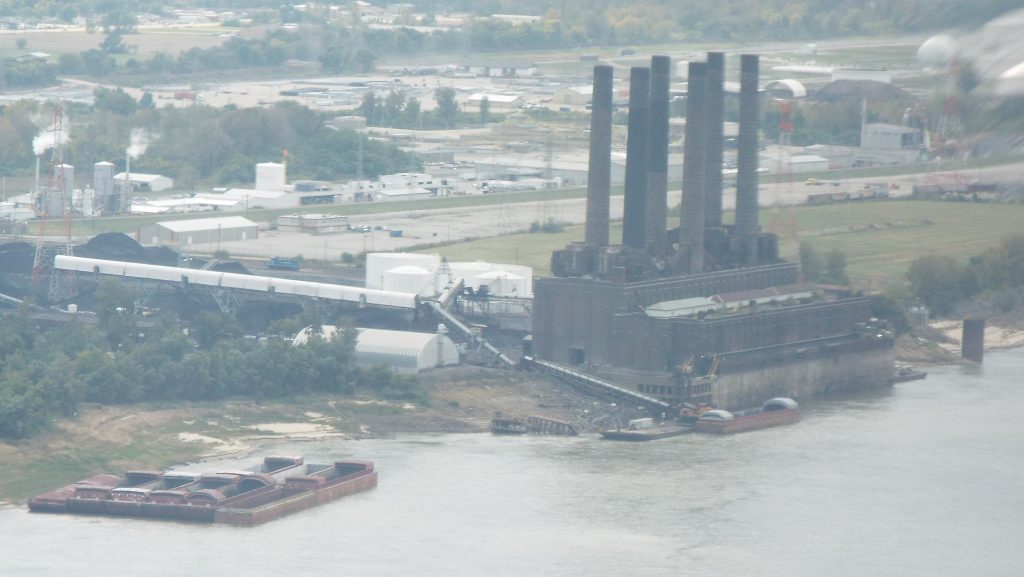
[
  {"x": 597, "y": 387},
  {"x": 546, "y": 426}
]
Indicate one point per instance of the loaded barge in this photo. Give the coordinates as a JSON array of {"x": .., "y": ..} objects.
[
  {"x": 774, "y": 412},
  {"x": 278, "y": 486}
]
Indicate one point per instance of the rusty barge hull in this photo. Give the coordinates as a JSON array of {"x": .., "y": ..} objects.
[
  {"x": 238, "y": 498},
  {"x": 749, "y": 422}
]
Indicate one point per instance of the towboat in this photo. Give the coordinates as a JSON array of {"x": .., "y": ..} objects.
[{"x": 774, "y": 412}]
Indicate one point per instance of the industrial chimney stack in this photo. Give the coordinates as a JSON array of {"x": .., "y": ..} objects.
[
  {"x": 634, "y": 228},
  {"x": 691, "y": 225},
  {"x": 657, "y": 155},
  {"x": 599, "y": 173},
  {"x": 715, "y": 140},
  {"x": 746, "y": 179}
]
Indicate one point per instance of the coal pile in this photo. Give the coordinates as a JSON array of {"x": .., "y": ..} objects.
[
  {"x": 858, "y": 90},
  {"x": 113, "y": 246},
  {"x": 160, "y": 255},
  {"x": 17, "y": 257}
]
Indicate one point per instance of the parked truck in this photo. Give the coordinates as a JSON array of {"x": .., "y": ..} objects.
[{"x": 279, "y": 263}]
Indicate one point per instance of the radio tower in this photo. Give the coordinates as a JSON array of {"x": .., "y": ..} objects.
[{"x": 51, "y": 200}]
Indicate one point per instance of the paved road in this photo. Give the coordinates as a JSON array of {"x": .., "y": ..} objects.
[{"x": 421, "y": 227}]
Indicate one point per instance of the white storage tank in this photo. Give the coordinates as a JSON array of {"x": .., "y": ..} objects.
[
  {"x": 409, "y": 279},
  {"x": 379, "y": 262},
  {"x": 471, "y": 273},
  {"x": 524, "y": 272},
  {"x": 270, "y": 176},
  {"x": 502, "y": 284}
]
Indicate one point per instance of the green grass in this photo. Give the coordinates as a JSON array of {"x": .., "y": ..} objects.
[
  {"x": 880, "y": 239},
  {"x": 902, "y": 231},
  {"x": 55, "y": 467}
]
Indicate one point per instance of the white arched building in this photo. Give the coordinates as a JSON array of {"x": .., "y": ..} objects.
[{"x": 404, "y": 351}]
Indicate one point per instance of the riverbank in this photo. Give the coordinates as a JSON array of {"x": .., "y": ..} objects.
[
  {"x": 461, "y": 399},
  {"x": 153, "y": 436}
]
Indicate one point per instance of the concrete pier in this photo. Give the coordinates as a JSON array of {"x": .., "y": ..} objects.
[{"x": 972, "y": 342}]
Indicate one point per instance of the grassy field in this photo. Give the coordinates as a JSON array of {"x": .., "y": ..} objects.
[
  {"x": 880, "y": 239},
  {"x": 145, "y": 43},
  {"x": 129, "y": 224}
]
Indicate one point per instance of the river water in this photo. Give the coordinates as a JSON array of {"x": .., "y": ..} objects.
[{"x": 926, "y": 479}]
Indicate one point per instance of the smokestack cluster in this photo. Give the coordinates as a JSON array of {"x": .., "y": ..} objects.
[
  {"x": 746, "y": 161},
  {"x": 634, "y": 227},
  {"x": 691, "y": 225},
  {"x": 702, "y": 240},
  {"x": 599, "y": 175}
]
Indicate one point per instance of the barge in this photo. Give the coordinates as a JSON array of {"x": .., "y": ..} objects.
[
  {"x": 646, "y": 430},
  {"x": 774, "y": 412},
  {"x": 906, "y": 374},
  {"x": 279, "y": 486}
]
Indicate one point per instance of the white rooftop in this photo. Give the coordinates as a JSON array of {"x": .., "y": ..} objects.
[
  {"x": 191, "y": 225},
  {"x": 139, "y": 177}
]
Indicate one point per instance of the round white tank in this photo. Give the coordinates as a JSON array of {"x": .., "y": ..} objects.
[
  {"x": 525, "y": 272},
  {"x": 470, "y": 271},
  {"x": 409, "y": 279},
  {"x": 379, "y": 262},
  {"x": 502, "y": 284},
  {"x": 270, "y": 176}
]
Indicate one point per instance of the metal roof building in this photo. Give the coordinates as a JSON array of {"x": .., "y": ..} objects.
[
  {"x": 141, "y": 181},
  {"x": 404, "y": 351},
  {"x": 198, "y": 231}
]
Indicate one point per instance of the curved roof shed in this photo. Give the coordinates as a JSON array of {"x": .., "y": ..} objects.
[{"x": 403, "y": 351}]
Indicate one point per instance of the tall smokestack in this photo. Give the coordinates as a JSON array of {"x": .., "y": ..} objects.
[
  {"x": 657, "y": 154},
  {"x": 715, "y": 139},
  {"x": 634, "y": 231},
  {"x": 691, "y": 224},
  {"x": 599, "y": 173},
  {"x": 746, "y": 177}
]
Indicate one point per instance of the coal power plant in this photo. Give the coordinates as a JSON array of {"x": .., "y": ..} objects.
[{"x": 705, "y": 311}]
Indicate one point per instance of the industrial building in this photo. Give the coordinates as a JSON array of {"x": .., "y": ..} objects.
[
  {"x": 652, "y": 314},
  {"x": 428, "y": 275},
  {"x": 404, "y": 351},
  {"x": 313, "y": 223},
  {"x": 144, "y": 182},
  {"x": 198, "y": 231}
]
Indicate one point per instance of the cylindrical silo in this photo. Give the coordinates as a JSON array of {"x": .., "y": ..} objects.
[
  {"x": 270, "y": 176},
  {"x": 103, "y": 184},
  {"x": 379, "y": 262},
  {"x": 409, "y": 279}
]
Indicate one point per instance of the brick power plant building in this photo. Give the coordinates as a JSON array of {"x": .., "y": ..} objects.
[{"x": 669, "y": 307}]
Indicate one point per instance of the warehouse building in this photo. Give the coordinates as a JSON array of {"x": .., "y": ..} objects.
[
  {"x": 198, "y": 231},
  {"x": 404, "y": 351},
  {"x": 144, "y": 182}
]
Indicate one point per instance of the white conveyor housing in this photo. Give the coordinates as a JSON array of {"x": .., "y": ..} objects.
[{"x": 228, "y": 280}]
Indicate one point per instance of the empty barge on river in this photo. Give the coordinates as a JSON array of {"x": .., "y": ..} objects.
[{"x": 278, "y": 486}]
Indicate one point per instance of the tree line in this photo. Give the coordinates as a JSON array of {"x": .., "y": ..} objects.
[
  {"x": 46, "y": 375},
  {"x": 940, "y": 282}
]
